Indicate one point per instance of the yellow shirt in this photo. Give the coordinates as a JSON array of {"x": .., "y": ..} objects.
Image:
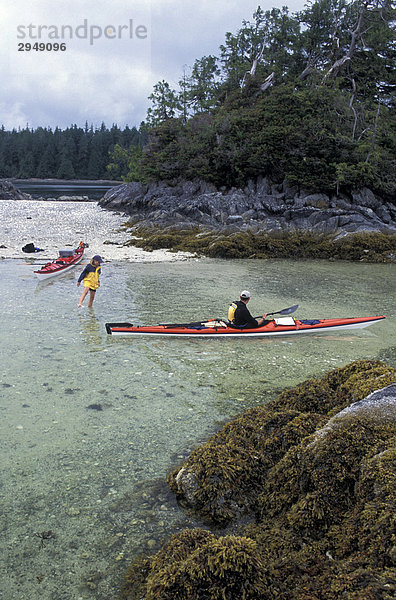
[{"x": 91, "y": 280}]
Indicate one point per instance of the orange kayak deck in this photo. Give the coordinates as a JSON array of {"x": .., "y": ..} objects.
[{"x": 218, "y": 328}]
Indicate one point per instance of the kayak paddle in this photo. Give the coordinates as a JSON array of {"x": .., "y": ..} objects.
[{"x": 284, "y": 311}]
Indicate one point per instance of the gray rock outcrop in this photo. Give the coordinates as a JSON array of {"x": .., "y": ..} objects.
[
  {"x": 8, "y": 191},
  {"x": 260, "y": 206}
]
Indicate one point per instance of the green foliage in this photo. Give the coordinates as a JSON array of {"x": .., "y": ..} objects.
[
  {"x": 75, "y": 152},
  {"x": 125, "y": 163},
  {"x": 165, "y": 104},
  {"x": 306, "y": 97},
  {"x": 270, "y": 40},
  {"x": 302, "y": 135},
  {"x": 203, "y": 88}
]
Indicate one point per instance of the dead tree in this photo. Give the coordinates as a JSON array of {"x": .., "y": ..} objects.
[
  {"x": 252, "y": 70},
  {"x": 356, "y": 34}
]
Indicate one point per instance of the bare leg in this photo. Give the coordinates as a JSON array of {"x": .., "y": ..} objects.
[
  {"x": 84, "y": 293},
  {"x": 91, "y": 297}
]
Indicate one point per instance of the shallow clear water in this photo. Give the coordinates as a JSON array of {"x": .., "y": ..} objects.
[{"x": 91, "y": 425}]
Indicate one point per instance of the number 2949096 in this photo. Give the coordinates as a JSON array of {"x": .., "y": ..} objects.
[{"x": 41, "y": 47}]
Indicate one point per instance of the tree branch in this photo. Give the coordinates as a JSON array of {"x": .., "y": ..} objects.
[
  {"x": 253, "y": 68},
  {"x": 355, "y": 35}
]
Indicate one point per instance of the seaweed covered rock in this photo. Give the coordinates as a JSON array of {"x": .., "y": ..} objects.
[
  {"x": 315, "y": 482},
  {"x": 329, "y": 506},
  {"x": 337, "y": 389},
  {"x": 320, "y": 476},
  {"x": 196, "y": 564},
  {"x": 228, "y": 243},
  {"x": 222, "y": 478}
]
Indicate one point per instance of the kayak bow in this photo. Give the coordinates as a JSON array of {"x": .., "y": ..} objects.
[
  {"x": 66, "y": 260},
  {"x": 220, "y": 329}
]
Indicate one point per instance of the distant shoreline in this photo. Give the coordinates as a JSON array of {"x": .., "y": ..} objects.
[{"x": 71, "y": 181}]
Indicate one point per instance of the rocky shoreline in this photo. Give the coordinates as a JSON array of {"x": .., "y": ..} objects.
[
  {"x": 261, "y": 221},
  {"x": 260, "y": 207},
  {"x": 308, "y": 481},
  {"x": 8, "y": 191}
]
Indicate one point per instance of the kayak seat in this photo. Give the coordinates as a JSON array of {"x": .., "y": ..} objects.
[{"x": 232, "y": 326}]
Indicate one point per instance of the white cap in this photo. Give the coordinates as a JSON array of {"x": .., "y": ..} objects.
[{"x": 245, "y": 294}]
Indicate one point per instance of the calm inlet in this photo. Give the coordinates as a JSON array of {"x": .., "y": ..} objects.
[{"x": 91, "y": 425}]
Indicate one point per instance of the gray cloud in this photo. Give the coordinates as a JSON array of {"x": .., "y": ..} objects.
[{"x": 110, "y": 79}]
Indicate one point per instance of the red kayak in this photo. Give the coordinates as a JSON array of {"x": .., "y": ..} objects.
[
  {"x": 216, "y": 328},
  {"x": 66, "y": 261}
]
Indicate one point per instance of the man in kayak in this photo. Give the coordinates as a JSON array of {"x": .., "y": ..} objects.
[
  {"x": 90, "y": 278},
  {"x": 239, "y": 315}
]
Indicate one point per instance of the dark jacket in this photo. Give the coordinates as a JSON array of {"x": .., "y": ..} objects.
[{"x": 243, "y": 318}]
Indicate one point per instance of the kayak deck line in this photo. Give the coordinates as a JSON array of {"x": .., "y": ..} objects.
[{"x": 219, "y": 328}]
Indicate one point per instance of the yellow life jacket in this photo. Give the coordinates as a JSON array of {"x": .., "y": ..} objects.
[
  {"x": 92, "y": 279},
  {"x": 231, "y": 312}
]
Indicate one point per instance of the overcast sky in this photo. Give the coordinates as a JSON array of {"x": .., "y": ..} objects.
[{"x": 115, "y": 51}]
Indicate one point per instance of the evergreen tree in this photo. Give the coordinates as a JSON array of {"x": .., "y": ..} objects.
[
  {"x": 82, "y": 157},
  {"x": 70, "y": 153},
  {"x": 204, "y": 84},
  {"x": 165, "y": 104},
  {"x": 95, "y": 161},
  {"x": 47, "y": 165}
]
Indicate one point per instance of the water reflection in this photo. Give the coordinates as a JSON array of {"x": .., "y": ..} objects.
[
  {"x": 47, "y": 283},
  {"x": 91, "y": 329}
]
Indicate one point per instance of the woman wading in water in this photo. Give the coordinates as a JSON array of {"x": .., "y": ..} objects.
[{"x": 90, "y": 278}]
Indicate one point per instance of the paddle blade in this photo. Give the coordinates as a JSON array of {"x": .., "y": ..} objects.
[{"x": 285, "y": 311}]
